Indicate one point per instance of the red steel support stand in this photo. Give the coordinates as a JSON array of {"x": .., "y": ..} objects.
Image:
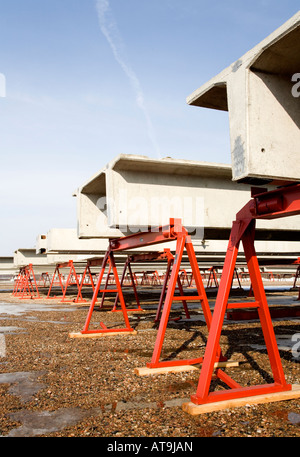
[
  {"x": 282, "y": 202},
  {"x": 212, "y": 278},
  {"x": 170, "y": 258},
  {"x": 183, "y": 242},
  {"x": 129, "y": 260},
  {"x": 108, "y": 258},
  {"x": 72, "y": 274},
  {"x": 154, "y": 256},
  {"x": 87, "y": 273},
  {"x": 44, "y": 278},
  {"x": 173, "y": 231},
  {"x": 26, "y": 285}
]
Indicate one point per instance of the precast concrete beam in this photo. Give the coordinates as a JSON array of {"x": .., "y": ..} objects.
[
  {"x": 261, "y": 93},
  {"x": 23, "y": 257},
  {"x": 7, "y": 267},
  {"x": 133, "y": 193},
  {"x": 66, "y": 241}
]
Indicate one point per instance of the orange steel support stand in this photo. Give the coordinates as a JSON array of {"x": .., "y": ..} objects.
[
  {"x": 107, "y": 260},
  {"x": 170, "y": 258},
  {"x": 26, "y": 285},
  {"x": 278, "y": 203},
  {"x": 87, "y": 273},
  {"x": 71, "y": 276},
  {"x": 154, "y": 256},
  {"x": 172, "y": 232},
  {"x": 133, "y": 259}
]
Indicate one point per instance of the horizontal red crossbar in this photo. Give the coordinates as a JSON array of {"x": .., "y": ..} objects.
[
  {"x": 243, "y": 305},
  {"x": 187, "y": 297},
  {"x": 174, "y": 363},
  {"x": 108, "y": 290}
]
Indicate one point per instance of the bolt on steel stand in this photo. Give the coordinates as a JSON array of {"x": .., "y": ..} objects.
[{"x": 281, "y": 202}]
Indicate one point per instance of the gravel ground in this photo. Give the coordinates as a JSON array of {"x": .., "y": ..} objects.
[{"x": 55, "y": 386}]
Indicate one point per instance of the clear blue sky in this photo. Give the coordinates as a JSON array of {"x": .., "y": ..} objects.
[{"x": 87, "y": 80}]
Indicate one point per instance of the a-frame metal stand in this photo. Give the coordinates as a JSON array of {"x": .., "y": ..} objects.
[
  {"x": 71, "y": 279},
  {"x": 108, "y": 260},
  {"x": 159, "y": 235},
  {"x": 127, "y": 266},
  {"x": 265, "y": 205},
  {"x": 172, "y": 232},
  {"x": 170, "y": 259},
  {"x": 183, "y": 243},
  {"x": 26, "y": 285},
  {"x": 87, "y": 274}
]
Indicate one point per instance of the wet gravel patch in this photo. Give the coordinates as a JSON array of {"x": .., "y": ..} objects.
[{"x": 53, "y": 385}]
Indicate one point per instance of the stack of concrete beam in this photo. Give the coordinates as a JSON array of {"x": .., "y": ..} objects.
[
  {"x": 7, "y": 269},
  {"x": 133, "y": 193}
]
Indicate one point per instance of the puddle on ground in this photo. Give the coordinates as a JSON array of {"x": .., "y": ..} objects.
[
  {"x": 294, "y": 418},
  {"x": 17, "y": 309},
  {"x": 36, "y": 423},
  {"x": 10, "y": 329},
  {"x": 24, "y": 384},
  {"x": 117, "y": 406},
  {"x": 284, "y": 343}
]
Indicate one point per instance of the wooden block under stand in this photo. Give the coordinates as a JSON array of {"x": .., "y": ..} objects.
[
  {"x": 100, "y": 334},
  {"x": 145, "y": 371},
  {"x": 194, "y": 410}
]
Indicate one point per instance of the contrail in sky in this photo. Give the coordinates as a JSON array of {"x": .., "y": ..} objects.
[{"x": 110, "y": 30}]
